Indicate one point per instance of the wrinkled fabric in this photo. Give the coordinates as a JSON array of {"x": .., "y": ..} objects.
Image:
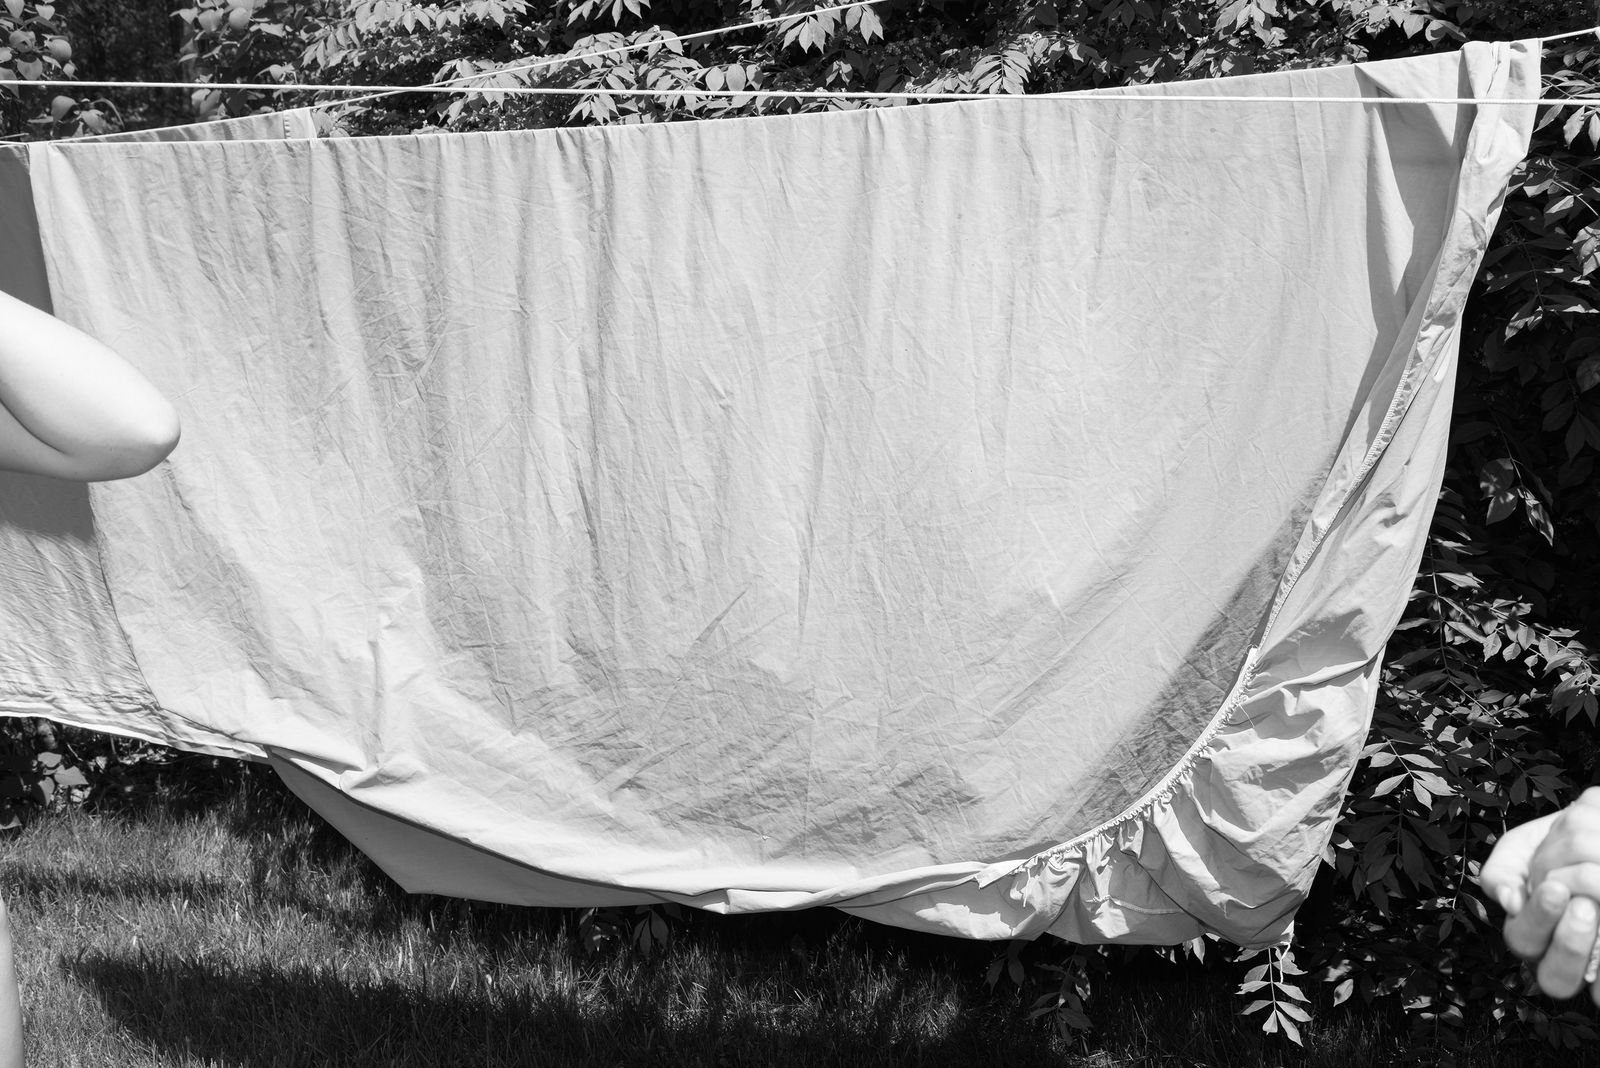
[
  {"x": 984, "y": 517},
  {"x": 22, "y": 271},
  {"x": 66, "y": 656}
]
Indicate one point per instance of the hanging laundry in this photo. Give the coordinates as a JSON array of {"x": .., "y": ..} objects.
[
  {"x": 263, "y": 126},
  {"x": 22, "y": 271},
  {"x": 983, "y": 517},
  {"x": 67, "y": 658}
]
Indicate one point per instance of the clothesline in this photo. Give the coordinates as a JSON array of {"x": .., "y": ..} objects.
[
  {"x": 475, "y": 82},
  {"x": 465, "y": 81},
  {"x": 556, "y": 61},
  {"x": 632, "y": 46},
  {"x": 1571, "y": 33},
  {"x": 827, "y": 94}
]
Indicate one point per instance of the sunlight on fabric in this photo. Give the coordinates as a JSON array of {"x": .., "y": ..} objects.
[{"x": 985, "y": 518}]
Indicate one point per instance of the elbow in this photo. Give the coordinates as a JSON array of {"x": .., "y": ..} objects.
[
  {"x": 136, "y": 448},
  {"x": 156, "y": 444}
]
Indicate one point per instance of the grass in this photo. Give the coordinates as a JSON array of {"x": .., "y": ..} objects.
[{"x": 238, "y": 930}]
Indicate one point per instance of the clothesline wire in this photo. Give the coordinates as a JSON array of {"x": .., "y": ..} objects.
[
  {"x": 556, "y": 61},
  {"x": 828, "y": 94},
  {"x": 1570, "y": 33},
  {"x": 473, "y": 82},
  {"x": 463, "y": 82},
  {"x": 632, "y": 46}
]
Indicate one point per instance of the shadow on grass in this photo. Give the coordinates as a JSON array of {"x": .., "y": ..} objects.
[
  {"x": 24, "y": 880},
  {"x": 265, "y": 1015}
]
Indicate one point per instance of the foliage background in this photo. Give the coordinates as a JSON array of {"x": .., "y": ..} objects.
[{"x": 1488, "y": 711}]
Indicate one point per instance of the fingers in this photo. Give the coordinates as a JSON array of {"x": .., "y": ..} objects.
[
  {"x": 1562, "y": 968},
  {"x": 1583, "y": 880},
  {"x": 1529, "y": 931},
  {"x": 1505, "y": 873},
  {"x": 1558, "y": 923},
  {"x": 1573, "y": 838}
]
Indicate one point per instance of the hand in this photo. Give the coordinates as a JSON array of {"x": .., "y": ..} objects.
[
  {"x": 1505, "y": 873},
  {"x": 1556, "y": 926}
]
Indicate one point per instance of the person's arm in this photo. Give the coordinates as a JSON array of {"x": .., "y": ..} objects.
[
  {"x": 70, "y": 407},
  {"x": 10, "y": 1000}
]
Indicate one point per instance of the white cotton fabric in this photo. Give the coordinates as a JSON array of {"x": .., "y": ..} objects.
[
  {"x": 986, "y": 517},
  {"x": 262, "y": 126},
  {"x": 22, "y": 271}
]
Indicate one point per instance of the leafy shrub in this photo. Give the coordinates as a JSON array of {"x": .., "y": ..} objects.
[
  {"x": 33, "y": 772},
  {"x": 37, "y": 47}
]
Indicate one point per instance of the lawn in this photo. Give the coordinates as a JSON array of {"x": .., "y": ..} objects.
[{"x": 231, "y": 927}]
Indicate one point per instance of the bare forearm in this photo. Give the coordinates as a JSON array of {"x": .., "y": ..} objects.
[
  {"x": 10, "y": 1000},
  {"x": 72, "y": 408}
]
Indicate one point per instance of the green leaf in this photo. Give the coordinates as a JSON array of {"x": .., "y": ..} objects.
[
  {"x": 1575, "y": 437},
  {"x": 1574, "y": 123},
  {"x": 1587, "y": 374},
  {"x": 1586, "y": 247},
  {"x": 1497, "y": 476},
  {"x": 1539, "y": 519},
  {"x": 870, "y": 26},
  {"x": 1388, "y": 786}
]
